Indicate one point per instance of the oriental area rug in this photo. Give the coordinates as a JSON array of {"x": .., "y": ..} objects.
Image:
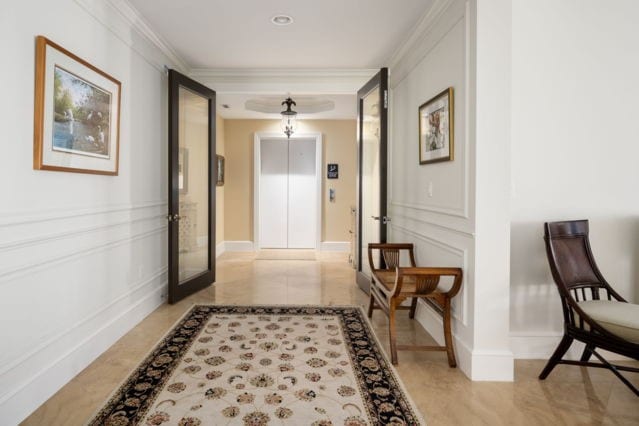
[{"x": 263, "y": 365}]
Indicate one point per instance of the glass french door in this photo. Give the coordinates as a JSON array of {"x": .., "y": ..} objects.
[
  {"x": 372, "y": 112},
  {"x": 192, "y": 181}
]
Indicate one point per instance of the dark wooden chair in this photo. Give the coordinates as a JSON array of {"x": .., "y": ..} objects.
[
  {"x": 594, "y": 313},
  {"x": 392, "y": 284}
]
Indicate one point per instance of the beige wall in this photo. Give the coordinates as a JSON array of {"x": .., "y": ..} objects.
[
  {"x": 339, "y": 146},
  {"x": 219, "y": 190}
]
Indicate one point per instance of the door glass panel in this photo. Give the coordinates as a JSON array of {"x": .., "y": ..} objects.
[
  {"x": 193, "y": 178},
  {"x": 370, "y": 174}
]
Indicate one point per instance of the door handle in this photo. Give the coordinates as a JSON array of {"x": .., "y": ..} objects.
[
  {"x": 173, "y": 217},
  {"x": 385, "y": 219}
]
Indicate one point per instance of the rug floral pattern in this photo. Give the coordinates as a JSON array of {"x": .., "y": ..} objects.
[{"x": 259, "y": 365}]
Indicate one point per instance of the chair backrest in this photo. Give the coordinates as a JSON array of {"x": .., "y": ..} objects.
[
  {"x": 572, "y": 263},
  {"x": 390, "y": 254}
]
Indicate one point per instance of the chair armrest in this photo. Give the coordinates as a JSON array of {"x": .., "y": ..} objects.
[{"x": 428, "y": 278}]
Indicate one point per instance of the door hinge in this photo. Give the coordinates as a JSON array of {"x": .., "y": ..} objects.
[{"x": 385, "y": 99}]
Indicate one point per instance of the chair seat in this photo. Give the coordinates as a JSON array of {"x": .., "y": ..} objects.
[
  {"x": 619, "y": 318},
  {"x": 387, "y": 278}
]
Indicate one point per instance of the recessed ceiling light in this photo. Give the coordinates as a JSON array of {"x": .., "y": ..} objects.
[{"x": 282, "y": 20}]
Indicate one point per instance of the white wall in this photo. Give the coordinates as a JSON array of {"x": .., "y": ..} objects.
[
  {"x": 574, "y": 151},
  {"x": 82, "y": 257},
  {"x": 443, "y": 225}
]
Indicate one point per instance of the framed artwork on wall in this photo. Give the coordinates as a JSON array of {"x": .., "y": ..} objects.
[
  {"x": 436, "y": 129},
  {"x": 220, "y": 171},
  {"x": 77, "y": 113}
]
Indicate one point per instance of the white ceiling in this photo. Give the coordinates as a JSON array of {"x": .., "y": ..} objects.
[
  {"x": 324, "y": 34},
  {"x": 332, "y": 48}
]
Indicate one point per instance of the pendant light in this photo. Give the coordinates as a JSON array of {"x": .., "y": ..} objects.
[{"x": 289, "y": 118}]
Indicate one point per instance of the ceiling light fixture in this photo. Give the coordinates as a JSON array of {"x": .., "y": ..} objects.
[
  {"x": 282, "y": 20},
  {"x": 289, "y": 118}
]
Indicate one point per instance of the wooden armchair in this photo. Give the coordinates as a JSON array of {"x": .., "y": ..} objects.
[
  {"x": 392, "y": 284},
  {"x": 594, "y": 313}
]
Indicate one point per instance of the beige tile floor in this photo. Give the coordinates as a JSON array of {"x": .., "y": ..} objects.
[{"x": 570, "y": 396}]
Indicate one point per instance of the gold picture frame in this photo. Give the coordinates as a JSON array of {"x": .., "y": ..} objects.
[
  {"x": 76, "y": 113},
  {"x": 436, "y": 129}
]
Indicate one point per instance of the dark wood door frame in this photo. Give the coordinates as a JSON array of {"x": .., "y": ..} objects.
[
  {"x": 179, "y": 291},
  {"x": 379, "y": 80}
]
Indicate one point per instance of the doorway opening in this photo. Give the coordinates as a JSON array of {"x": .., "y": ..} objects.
[{"x": 287, "y": 191}]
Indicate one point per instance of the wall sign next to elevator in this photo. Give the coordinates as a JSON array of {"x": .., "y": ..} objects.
[{"x": 332, "y": 171}]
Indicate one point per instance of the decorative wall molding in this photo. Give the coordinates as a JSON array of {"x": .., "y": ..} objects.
[
  {"x": 9, "y": 274},
  {"x": 442, "y": 226},
  {"x": 462, "y": 253},
  {"x": 278, "y": 81},
  {"x": 39, "y": 239},
  {"x": 459, "y": 212},
  {"x": 35, "y": 216},
  {"x": 28, "y": 395},
  {"x": 122, "y": 19},
  {"x": 140, "y": 285},
  {"x": 336, "y": 246}
]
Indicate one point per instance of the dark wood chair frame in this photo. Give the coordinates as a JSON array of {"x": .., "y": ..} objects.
[
  {"x": 578, "y": 279},
  {"x": 425, "y": 280}
]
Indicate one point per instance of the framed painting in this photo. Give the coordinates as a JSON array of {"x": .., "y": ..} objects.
[
  {"x": 436, "y": 129},
  {"x": 220, "y": 171},
  {"x": 77, "y": 113}
]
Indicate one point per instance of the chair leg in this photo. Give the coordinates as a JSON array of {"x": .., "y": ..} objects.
[
  {"x": 371, "y": 305},
  {"x": 616, "y": 372},
  {"x": 448, "y": 335},
  {"x": 391, "y": 332},
  {"x": 563, "y": 346},
  {"x": 413, "y": 307},
  {"x": 585, "y": 357}
]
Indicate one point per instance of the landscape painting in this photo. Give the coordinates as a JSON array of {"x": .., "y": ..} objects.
[
  {"x": 77, "y": 114},
  {"x": 436, "y": 128},
  {"x": 81, "y": 115}
]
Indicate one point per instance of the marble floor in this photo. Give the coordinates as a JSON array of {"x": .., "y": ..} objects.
[{"x": 570, "y": 396}]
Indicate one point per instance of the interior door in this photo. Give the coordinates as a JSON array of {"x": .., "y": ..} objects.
[
  {"x": 372, "y": 111},
  {"x": 288, "y": 193},
  {"x": 192, "y": 180}
]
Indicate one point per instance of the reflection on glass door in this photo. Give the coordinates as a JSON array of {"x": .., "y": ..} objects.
[
  {"x": 192, "y": 170},
  {"x": 370, "y": 169},
  {"x": 193, "y": 175},
  {"x": 372, "y": 124}
]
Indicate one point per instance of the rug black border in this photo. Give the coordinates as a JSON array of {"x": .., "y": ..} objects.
[{"x": 158, "y": 366}]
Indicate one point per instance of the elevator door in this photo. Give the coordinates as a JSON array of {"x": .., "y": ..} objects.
[{"x": 288, "y": 194}]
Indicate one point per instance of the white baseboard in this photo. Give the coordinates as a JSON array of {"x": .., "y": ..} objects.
[
  {"x": 339, "y": 246},
  {"x": 239, "y": 246},
  {"x": 28, "y": 396},
  {"x": 220, "y": 249},
  {"x": 477, "y": 365},
  {"x": 541, "y": 345}
]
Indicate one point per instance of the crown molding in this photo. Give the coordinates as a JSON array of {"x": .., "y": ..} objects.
[
  {"x": 120, "y": 17},
  {"x": 277, "y": 81},
  {"x": 139, "y": 24},
  {"x": 423, "y": 27}
]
